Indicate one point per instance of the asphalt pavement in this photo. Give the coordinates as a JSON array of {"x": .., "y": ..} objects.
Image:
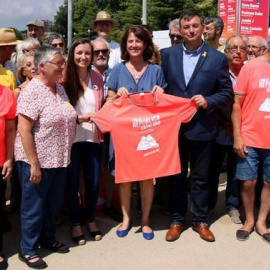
[{"x": 135, "y": 253}]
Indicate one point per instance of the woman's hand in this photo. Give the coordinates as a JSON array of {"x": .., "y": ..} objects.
[
  {"x": 7, "y": 169},
  {"x": 122, "y": 92},
  {"x": 35, "y": 174},
  {"x": 85, "y": 117},
  {"x": 157, "y": 88}
]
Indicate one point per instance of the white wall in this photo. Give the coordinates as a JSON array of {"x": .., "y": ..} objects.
[{"x": 161, "y": 39}]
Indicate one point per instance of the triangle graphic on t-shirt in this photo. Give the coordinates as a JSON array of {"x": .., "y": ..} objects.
[
  {"x": 147, "y": 142},
  {"x": 265, "y": 107}
]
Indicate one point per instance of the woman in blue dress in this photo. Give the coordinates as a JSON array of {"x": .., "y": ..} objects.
[{"x": 136, "y": 74}]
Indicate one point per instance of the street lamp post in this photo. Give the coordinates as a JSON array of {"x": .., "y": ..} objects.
[
  {"x": 144, "y": 15},
  {"x": 89, "y": 31}
]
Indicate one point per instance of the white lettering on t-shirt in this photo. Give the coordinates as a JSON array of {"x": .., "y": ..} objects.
[
  {"x": 265, "y": 83},
  {"x": 143, "y": 123}
]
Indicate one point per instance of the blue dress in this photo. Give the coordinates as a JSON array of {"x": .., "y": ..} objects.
[{"x": 121, "y": 77}]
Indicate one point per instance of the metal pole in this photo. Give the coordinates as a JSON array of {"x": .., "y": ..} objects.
[
  {"x": 69, "y": 26},
  {"x": 144, "y": 17}
]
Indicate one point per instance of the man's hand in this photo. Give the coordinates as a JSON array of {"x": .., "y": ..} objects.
[
  {"x": 7, "y": 169},
  {"x": 240, "y": 148},
  {"x": 200, "y": 101}
]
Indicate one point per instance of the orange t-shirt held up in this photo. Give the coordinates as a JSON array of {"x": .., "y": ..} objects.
[{"x": 144, "y": 129}]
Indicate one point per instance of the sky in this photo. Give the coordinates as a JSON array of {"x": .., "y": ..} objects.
[{"x": 16, "y": 13}]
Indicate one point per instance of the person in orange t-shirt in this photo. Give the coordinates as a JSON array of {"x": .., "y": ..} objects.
[
  {"x": 251, "y": 125},
  {"x": 7, "y": 136}
]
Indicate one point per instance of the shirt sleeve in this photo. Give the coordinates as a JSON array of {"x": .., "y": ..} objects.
[
  {"x": 112, "y": 82},
  {"x": 241, "y": 82},
  {"x": 29, "y": 103},
  {"x": 104, "y": 117},
  {"x": 12, "y": 110},
  {"x": 160, "y": 78}
]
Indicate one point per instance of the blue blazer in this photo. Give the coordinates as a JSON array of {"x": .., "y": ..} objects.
[{"x": 210, "y": 79}]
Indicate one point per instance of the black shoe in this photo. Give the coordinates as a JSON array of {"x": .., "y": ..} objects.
[
  {"x": 265, "y": 236},
  {"x": 56, "y": 247},
  {"x": 39, "y": 264},
  {"x": 79, "y": 240},
  {"x": 96, "y": 235},
  {"x": 4, "y": 263},
  {"x": 242, "y": 235}
]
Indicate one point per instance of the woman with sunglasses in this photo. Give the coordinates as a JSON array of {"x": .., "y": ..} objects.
[
  {"x": 46, "y": 130},
  {"x": 25, "y": 71},
  {"x": 136, "y": 74},
  {"x": 85, "y": 90},
  {"x": 57, "y": 41}
]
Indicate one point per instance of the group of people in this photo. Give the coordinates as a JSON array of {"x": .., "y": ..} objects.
[{"x": 55, "y": 131}]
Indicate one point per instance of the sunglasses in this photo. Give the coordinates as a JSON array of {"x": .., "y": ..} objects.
[
  {"x": 104, "y": 51},
  {"x": 178, "y": 37},
  {"x": 58, "y": 44}
]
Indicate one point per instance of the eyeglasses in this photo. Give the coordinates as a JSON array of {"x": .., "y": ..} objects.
[
  {"x": 59, "y": 65},
  {"x": 173, "y": 36},
  {"x": 254, "y": 48},
  {"x": 235, "y": 49},
  {"x": 97, "y": 52},
  {"x": 58, "y": 44},
  {"x": 28, "y": 65}
]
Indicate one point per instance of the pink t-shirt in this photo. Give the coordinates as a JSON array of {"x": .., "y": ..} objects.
[
  {"x": 144, "y": 129},
  {"x": 254, "y": 83},
  {"x": 7, "y": 111},
  {"x": 54, "y": 127}
]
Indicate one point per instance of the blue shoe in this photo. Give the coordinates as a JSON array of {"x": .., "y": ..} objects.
[
  {"x": 124, "y": 233},
  {"x": 148, "y": 236}
]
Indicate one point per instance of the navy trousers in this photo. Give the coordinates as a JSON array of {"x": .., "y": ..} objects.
[{"x": 198, "y": 154}]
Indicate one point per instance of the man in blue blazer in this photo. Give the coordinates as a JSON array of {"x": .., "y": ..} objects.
[{"x": 194, "y": 70}]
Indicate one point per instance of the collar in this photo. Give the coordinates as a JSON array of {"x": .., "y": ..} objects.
[{"x": 197, "y": 51}]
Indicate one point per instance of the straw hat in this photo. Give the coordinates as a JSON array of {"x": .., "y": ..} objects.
[
  {"x": 8, "y": 37},
  {"x": 103, "y": 16}
]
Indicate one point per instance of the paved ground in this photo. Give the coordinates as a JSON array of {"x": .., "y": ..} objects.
[{"x": 133, "y": 252}]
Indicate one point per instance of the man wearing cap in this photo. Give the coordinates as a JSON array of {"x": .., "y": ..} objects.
[
  {"x": 8, "y": 42},
  {"x": 103, "y": 25},
  {"x": 36, "y": 30}
]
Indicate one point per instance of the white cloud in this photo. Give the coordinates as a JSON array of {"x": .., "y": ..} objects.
[{"x": 20, "y": 12}]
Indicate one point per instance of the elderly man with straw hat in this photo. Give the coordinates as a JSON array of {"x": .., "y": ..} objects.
[
  {"x": 8, "y": 42},
  {"x": 103, "y": 25}
]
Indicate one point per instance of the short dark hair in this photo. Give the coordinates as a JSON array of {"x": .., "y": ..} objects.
[
  {"x": 141, "y": 33},
  {"x": 216, "y": 20},
  {"x": 188, "y": 15},
  {"x": 54, "y": 36}
]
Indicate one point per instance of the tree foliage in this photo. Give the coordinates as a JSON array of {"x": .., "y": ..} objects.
[{"x": 127, "y": 13}]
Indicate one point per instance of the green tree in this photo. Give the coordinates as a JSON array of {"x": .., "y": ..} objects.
[
  {"x": 128, "y": 13},
  {"x": 60, "y": 20}
]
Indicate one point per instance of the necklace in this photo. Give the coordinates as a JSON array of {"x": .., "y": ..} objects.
[
  {"x": 84, "y": 77},
  {"x": 137, "y": 71}
]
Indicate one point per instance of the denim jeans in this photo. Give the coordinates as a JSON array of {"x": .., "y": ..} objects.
[
  {"x": 40, "y": 205},
  {"x": 2, "y": 201},
  {"x": 85, "y": 155}
]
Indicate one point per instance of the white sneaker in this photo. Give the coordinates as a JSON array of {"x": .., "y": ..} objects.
[{"x": 235, "y": 216}]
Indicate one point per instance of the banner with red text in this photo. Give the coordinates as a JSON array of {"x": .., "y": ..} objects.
[{"x": 244, "y": 17}]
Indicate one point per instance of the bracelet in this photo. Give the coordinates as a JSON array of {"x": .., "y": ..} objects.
[{"x": 77, "y": 120}]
